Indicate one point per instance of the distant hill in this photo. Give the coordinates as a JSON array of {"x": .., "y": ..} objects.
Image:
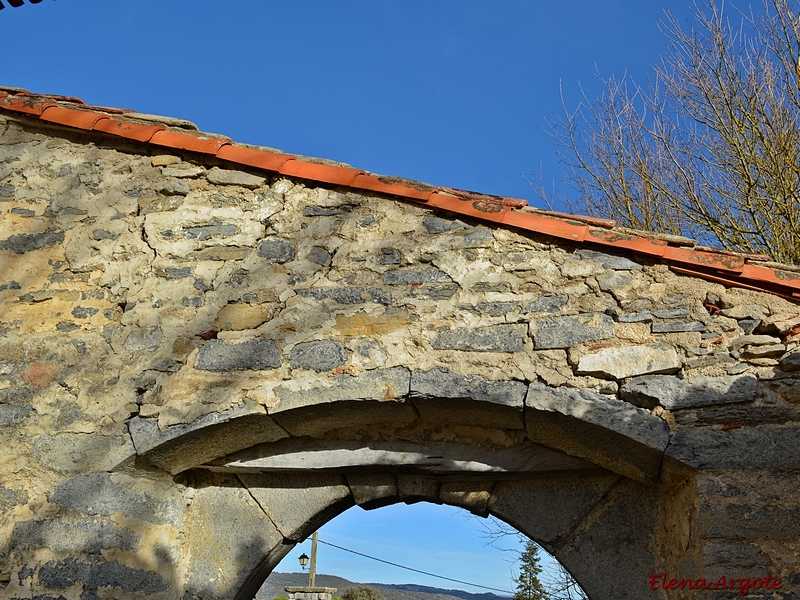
[{"x": 275, "y": 583}]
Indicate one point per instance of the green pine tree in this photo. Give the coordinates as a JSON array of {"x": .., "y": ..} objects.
[{"x": 528, "y": 585}]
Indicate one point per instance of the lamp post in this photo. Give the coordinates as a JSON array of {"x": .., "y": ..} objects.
[
  {"x": 311, "y": 592},
  {"x": 304, "y": 561}
]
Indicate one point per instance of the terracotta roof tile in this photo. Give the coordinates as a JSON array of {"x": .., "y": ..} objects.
[
  {"x": 184, "y": 141},
  {"x": 131, "y": 131},
  {"x": 751, "y": 271}
]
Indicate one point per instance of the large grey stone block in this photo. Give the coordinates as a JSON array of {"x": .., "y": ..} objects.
[
  {"x": 374, "y": 396},
  {"x": 608, "y": 432},
  {"x": 494, "y": 338},
  {"x": 769, "y": 446},
  {"x": 319, "y": 355},
  {"x": 276, "y": 250},
  {"x": 415, "y": 275},
  {"x": 188, "y": 445},
  {"x": 349, "y": 295},
  {"x": 229, "y": 540},
  {"x": 228, "y": 177},
  {"x": 565, "y": 332},
  {"x": 548, "y": 508},
  {"x": 218, "y": 355},
  {"x": 443, "y": 383},
  {"x": 629, "y": 361},
  {"x": 612, "y": 414},
  {"x": 298, "y": 503},
  {"x": 608, "y": 261},
  {"x": 673, "y": 393}
]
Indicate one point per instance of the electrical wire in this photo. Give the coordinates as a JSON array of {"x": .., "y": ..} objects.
[{"x": 486, "y": 587}]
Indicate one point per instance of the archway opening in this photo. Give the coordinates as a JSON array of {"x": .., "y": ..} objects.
[{"x": 415, "y": 551}]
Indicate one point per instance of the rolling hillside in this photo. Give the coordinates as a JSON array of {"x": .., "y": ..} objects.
[{"x": 275, "y": 583}]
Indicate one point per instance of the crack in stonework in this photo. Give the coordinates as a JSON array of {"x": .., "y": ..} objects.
[{"x": 244, "y": 485}]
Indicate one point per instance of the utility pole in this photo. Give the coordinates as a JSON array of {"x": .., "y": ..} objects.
[{"x": 312, "y": 571}]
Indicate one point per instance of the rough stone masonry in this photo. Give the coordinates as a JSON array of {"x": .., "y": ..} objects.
[{"x": 201, "y": 365}]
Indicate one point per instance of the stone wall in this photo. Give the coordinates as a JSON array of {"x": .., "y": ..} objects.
[{"x": 169, "y": 323}]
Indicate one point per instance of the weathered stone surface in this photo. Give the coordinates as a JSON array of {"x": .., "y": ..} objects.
[
  {"x": 143, "y": 338},
  {"x": 350, "y": 295},
  {"x": 614, "y": 281},
  {"x": 188, "y": 445},
  {"x": 608, "y": 261},
  {"x": 565, "y": 332},
  {"x": 605, "y": 533},
  {"x": 175, "y": 187},
  {"x": 237, "y": 316},
  {"x": 435, "y": 225},
  {"x": 765, "y": 351},
  {"x": 227, "y": 550},
  {"x": 105, "y": 494},
  {"x": 78, "y": 453},
  {"x": 10, "y": 413},
  {"x": 443, "y": 383},
  {"x": 745, "y": 311},
  {"x": 276, "y": 250},
  {"x": 228, "y": 177},
  {"x": 181, "y": 172},
  {"x": 322, "y": 355},
  {"x": 773, "y": 446},
  {"x": 321, "y": 211},
  {"x": 473, "y": 496},
  {"x": 319, "y": 255},
  {"x": 753, "y": 340},
  {"x": 218, "y": 355},
  {"x": 163, "y": 160},
  {"x": 791, "y": 362},
  {"x": 548, "y": 508},
  {"x": 677, "y": 326},
  {"x": 94, "y": 573},
  {"x": 417, "y": 488},
  {"x": 380, "y": 384},
  {"x": 373, "y": 490},
  {"x": 671, "y": 313},
  {"x": 298, "y": 503},
  {"x": 414, "y": 276},
  {"x": 673, "y": 393},
  {"x": 549, "y": 303},
  {"x": 212, "y": 229},
  {"x": 90, "y": 535},
  {"x": 10, "y": 497},
  {"x": 20, "y": 244},
  {"x": 644, "y": 316},
  {"x": 629, "y": 361},
  {"x": 495, "y": 338},
  {"x": 612, "y": 414}
]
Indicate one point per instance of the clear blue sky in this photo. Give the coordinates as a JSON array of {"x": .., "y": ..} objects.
[{"x": 452, "y": 92}]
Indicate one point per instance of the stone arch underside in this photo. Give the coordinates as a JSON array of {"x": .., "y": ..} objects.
[{"x": 251, "y": 505}]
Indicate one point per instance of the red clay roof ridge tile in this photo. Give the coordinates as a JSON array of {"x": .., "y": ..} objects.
[
  {"x": 683, "y": 255},
  {"x": 167, "y": 121}
]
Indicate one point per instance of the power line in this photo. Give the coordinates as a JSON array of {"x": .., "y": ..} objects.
[{"x": 486, "y": 587}]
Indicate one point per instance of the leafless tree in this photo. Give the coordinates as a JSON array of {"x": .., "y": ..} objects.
[
  {"x": 710, "y": 147},
  {"x": 557, "y": 581}
]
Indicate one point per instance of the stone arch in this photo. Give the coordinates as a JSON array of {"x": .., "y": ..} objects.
[{"x": 372, "y": 453}]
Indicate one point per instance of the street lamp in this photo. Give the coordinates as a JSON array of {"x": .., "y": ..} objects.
[{"x": 304, "y": 561}]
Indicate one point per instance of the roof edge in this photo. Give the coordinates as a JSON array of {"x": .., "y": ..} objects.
[{"x": 683, "y": 255}]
